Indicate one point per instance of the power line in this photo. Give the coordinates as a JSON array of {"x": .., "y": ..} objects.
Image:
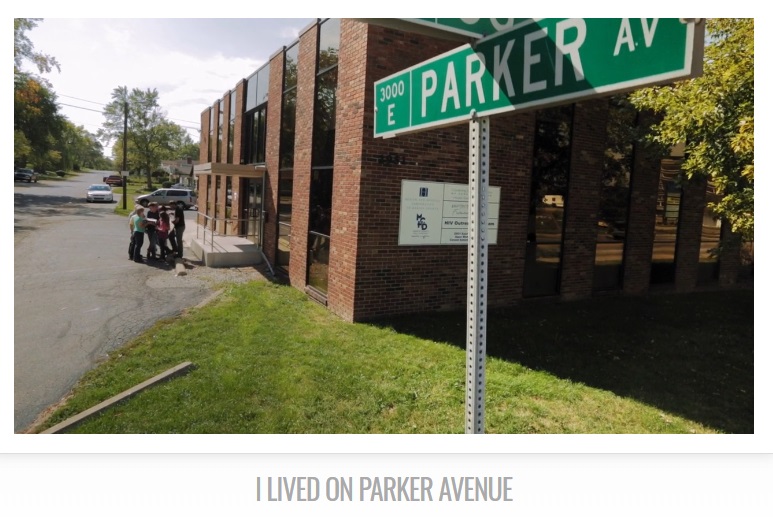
[
  {"x": 84, "y": 100},
  {"x": 80, "y": 107},
  {"x": 100, "y": 111}
]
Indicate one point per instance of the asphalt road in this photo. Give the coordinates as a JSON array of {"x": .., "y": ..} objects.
[{"x": 77, "y": 297}]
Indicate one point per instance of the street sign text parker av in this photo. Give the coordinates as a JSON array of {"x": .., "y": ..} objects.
[{"x": 538, "y": 63}]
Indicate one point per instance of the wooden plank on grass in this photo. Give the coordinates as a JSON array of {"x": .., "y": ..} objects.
[{"x": 180, "y": 369}]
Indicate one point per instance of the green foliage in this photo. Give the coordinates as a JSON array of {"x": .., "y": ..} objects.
[
  {"x": 714, "y": 116},
  {"x": 37, "y": 124},
  {"x": 150, "y": 137},
  {"x": 24, "y": 49},
  {"x": 41, "y": 135}
]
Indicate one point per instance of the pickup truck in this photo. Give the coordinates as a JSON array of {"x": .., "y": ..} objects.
[{"x": 113, "y": 180}]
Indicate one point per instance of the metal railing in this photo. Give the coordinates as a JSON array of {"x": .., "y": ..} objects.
[
  {"x": 211, "y": 224},
  {"x": 231, "y": 227}
]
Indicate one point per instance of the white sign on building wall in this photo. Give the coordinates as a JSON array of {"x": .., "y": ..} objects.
[{"x": 433, "y": 213}]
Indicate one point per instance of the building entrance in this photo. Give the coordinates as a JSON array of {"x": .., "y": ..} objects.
[{"x": 251, "y": 207}]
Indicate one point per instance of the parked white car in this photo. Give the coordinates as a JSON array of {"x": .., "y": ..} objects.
[{"x": 99, "y": 192}]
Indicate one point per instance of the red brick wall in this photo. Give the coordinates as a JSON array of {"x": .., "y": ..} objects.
[
  {"x": 241, "y": 88},
  {"x": 273, "y": 130},
  {"x": 226, "y": 116},
  {"x": 641, "y": 216},
  {"x": 730, "y": 257},
  {"x": 304, "y": 124},
  {"x": 366, "y": 200},
  {"x": 215, "y": 118},
  {"x": 580, "y": 227},
  {"x": 204, "y": 137}
]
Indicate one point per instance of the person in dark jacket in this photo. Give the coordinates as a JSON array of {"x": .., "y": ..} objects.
[
  {"x": 179, "y": 227},
  {"x": 151, "y": 220}
]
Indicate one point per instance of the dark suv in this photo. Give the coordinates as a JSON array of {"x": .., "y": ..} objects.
[
  {"x": 182, "y": 197},
  {"x": 27, "y": 175}
]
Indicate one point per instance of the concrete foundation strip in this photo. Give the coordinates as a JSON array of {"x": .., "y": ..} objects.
[{"x": 180, "y": 369}]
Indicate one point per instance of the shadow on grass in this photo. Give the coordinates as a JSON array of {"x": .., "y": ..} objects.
[{"x": 687, "y": 354}]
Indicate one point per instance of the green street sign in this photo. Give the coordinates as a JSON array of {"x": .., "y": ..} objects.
[
  {"x": 473, "y": 27},
  {"x": 538, "y": 63}
]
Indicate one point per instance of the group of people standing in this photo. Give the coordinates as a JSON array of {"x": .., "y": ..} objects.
[{"x": 155, "y": 222}]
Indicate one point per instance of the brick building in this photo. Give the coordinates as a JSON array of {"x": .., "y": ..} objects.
[{"x": 288, "y": 158}]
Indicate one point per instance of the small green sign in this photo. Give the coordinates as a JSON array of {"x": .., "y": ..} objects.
[{"x": 538, "y": 63}]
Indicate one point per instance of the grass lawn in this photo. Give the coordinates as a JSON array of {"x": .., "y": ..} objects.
[{"x": 268, "y": 360}]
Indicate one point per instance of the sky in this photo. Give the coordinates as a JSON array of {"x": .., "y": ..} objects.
[{"x": 190, "y": 62}]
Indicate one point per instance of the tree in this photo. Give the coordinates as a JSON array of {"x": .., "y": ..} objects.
[
  {"x": 23, "y": 48},
  {"x": 78, "y": 148},
  {"x": 713, "y": 115},
  {"x": 150, "y": 137},
  {"x": 37, "y": 124}
]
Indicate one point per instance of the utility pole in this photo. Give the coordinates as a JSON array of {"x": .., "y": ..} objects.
[{"x": 125, "y": 130}]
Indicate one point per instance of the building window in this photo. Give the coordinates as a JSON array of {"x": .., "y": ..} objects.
[
  {"x": 708, "y": 266},
  {"x": 231, "y": 126},
  {"x": 549, "y": 189},
  {"x": 615, "y": 195},
  {"x": 669, "y": 202},
  {"x": 217, "y": 199},
  {"x": 211, "y": 133},
  {"x": 323, "y": 147},
  {"x": 256, "y": 106},
  {"x": 289, "y": 101},
  {"x": 284, "y": 217},
  {"x": 255, "y": 135},
  {"x": 218, "y": 154},
  {"x": 228, "y": 195},
  {"x": 208, "y": 194}
]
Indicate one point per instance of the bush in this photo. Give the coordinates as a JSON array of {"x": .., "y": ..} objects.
[
  {"x": 166, "y": 184},
  {"x": 60, "y": 173}
]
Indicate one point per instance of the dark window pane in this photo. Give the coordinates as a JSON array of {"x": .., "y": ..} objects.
[
  {"x": 666, "y": 221},
  {"x": 291, "y": 67},
  {"x": 321, "y": 194},
  {"x": 329, "y": 42},
  {"x": 287, "y": 144},
  {"x": 262, "y": 93},
  {"x": 708, "y": 266},
  {"x": 284, "y": 215},
  {"x": 251, "y": 101},
  {"x": 549, "y": 188},
  {"x": 615, "y": 195},
  {"x": 325, "y": 119},
  {"x": 260, "y": 139},
  {"x": 319, "y": 259}
]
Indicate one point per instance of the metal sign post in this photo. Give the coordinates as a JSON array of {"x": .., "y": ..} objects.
[{"x": 477, "y": 275}]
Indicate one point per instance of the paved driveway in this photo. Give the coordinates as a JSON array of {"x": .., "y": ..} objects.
[{"x": 77, "y": 297}]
